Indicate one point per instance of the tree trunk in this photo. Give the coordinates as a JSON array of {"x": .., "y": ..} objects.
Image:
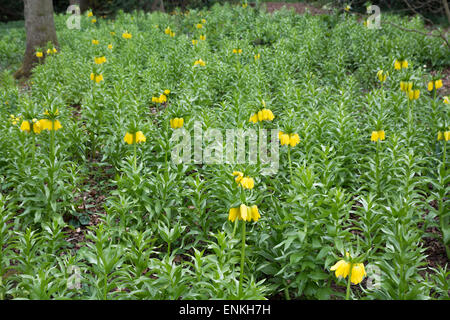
[
  {"x": 40, "y": 29},
  {"x": 446, "y": 9}
]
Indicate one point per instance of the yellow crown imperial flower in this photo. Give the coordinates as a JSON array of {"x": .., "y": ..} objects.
[
  {"x": 167, "y": 91},
  {"x": 194, "y": 42},
  {"x": 95, "y": 41},
  {"x": 399, "y": 64},
  {"x": 199, "y": 26},
  {"x": 94, "y": 20},
  {"x": 47, "y": 124},
  {"x": 167, "y": 30},
  {"x": 244, "y": 213},
  {"x": 247, "y": 183},
  {"x": 137, "y": 137},
  {"x": 239, "y": 176},
  {"x": 110, "y": 46},
  {"x": 162, "y": 98},
  {"x": 406, "y": 86},
  {"x": 202, "y": 37},
  {"x": 90, "y": 14},
  {"x": 382, "y": 75},
  {"x": 99, "y": 60},
  {"x": 377, "y": 135},
  {"x": 439, "y": 135},
  {"x": 96, "y": 77},
  {"x": 200, "y": 62},
  {"x": 126, "y": 35},
  {"x": 39, "y": 54},
  {"x": 291, "y": 139},
  {"x": 257, "y": 56},
  {"x": 446, "y": 100},
  {"x": 413, "y": 94},
  {"x": 176, "y": 123},
  {"x": 437, "y": 84}
]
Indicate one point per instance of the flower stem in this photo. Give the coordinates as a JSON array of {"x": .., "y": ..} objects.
[
  {"x": 135, "y": 155},
  {"x": 378, "y": 167},
  {"x": 52, "y": 167},
  {"x": 347, "y": 296},
  {"x": 290, "y": 164},
  {"x": 241, "y": 277}
]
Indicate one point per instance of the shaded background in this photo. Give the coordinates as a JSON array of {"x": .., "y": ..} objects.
[{"x": 433, "y": 9}]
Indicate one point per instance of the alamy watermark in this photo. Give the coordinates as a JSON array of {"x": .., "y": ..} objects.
[{"x": 210, "y": 147}]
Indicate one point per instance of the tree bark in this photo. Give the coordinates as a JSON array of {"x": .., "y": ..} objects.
[
  {"x": 446, "y": 9},
  {"x": 40, "y": 29}
]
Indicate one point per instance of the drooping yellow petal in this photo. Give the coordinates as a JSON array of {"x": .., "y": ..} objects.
[
  {"x": 397, "y": 65},
  {"x": 260, "y": 115},
  {"x": 381, "y": 135},
  {"x": 243, "y": 212},
  {"x": 128, "y": 138},
  {"x": 56, "y": 125},
  {"x": 284, "y": 139},
  {"x": 255, "y": 213},
  {"x": 374, "y": 136},
  {"x": 341, "y": 268},
  {"x": 232, "y": 215},
  {"x": 447, "y": 135},
  {"x": 25, "y": 126},
  {"x": 294, "y": 139},
  {"x": 438, "y": 83},
  {"x": 37, "y": 126},
  {"x": 430, "y": 86},
  {"x": 140, "y": 137},
  {"x": 358, "y": 273},
  {"x": 265, "y": 114}
]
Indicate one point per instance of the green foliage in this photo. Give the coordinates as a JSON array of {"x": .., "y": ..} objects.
[{"x": 84, "y": 215}]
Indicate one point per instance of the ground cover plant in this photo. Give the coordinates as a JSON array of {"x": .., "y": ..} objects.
[{"x": 93, "y": 207}]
